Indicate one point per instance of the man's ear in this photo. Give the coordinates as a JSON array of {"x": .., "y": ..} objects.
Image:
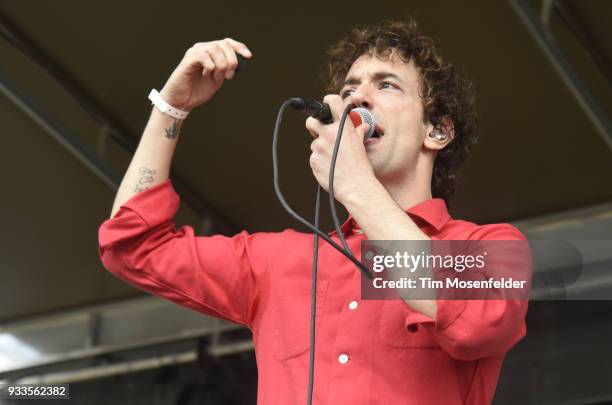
[{"x": 440, "y": 135}]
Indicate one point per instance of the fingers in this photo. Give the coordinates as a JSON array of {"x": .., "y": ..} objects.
[
  {"x": 232, "y": 61},
  {"x": 362, "y": 129},
  {"x": 207, "y": 63},
  {"x": 313, "y": 126},
  {"x": 317, "y": 147},
  {"x": 197, "y": 59},
  {"x": 218, "y": 58},
  {"x": 336, "y": 104},
  {"x": 239, "y": 47},
  {"x": 231, "y": 49}
]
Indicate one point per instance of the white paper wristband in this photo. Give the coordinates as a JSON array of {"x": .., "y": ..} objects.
[{"x": 166, "y": 108}]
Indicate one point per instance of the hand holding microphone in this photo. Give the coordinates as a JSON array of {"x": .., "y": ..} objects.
[
  {"x": 322, "y": 112},
  {"x": 347, "y": 160}
]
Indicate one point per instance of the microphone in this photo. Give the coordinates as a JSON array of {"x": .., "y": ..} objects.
[{"x": 322, "y": 112}]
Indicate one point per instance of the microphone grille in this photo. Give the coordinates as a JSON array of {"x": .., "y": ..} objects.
[{"x": 366, "y": 116}]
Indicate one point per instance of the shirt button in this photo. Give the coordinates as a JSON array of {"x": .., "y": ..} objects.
[
  {"x": 353, "y": 304},
  {"x": 413, "y": 327},
  {"x": 359, "y": 232},
  {"x": 343, "y": 358}
]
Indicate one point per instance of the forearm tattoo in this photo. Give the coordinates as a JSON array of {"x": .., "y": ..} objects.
[
  {"x": 145, "y": 180},
  {"x": 173, "y": 130}
]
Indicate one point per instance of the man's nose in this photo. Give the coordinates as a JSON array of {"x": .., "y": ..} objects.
[{"x": 361, "y": 97}]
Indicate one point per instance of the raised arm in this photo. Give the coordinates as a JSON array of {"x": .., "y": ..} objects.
[
  {"x": 195, "y": 80},
  {"x": 141, "y": 244}
]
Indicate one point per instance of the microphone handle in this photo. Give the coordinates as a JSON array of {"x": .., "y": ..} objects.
[
  {"x": 322, "y": 112},
  {"x": 313, "y": 108}
]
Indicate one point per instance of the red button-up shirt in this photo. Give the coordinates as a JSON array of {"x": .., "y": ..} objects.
[{"x": 367, "y": 352}]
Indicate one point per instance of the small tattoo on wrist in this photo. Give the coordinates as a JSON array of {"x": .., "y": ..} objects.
[{"x": 173, "y": 130}]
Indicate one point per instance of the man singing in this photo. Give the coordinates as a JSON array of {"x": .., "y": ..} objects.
[{"x": 394, "y": 186}]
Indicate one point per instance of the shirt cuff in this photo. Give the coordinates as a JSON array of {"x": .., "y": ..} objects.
[
  {"x": 155, "y": 205},
  {"x": 140, "y": 213}
]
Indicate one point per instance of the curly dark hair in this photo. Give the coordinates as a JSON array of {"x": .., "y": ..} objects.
[{"x": 445, "y": 92}]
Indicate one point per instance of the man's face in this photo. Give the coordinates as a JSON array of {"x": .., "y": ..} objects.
[{"x": 390, "y": 90}]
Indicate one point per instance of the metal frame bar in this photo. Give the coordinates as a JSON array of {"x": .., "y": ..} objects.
[
  {"x": 109, "y": 370},
  {"x": 127, "y": 367},
  {"x": 60, "y": 134},
  {"x": 555, "y": 56},
  {"x": 92, "y": 347},
  {"x": 577, "y": 27},
  {"x": 547, "y": 6}
]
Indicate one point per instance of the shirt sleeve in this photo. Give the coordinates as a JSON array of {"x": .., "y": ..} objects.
[
  {"x": 470, "y": 329},
  {"x": 216, "y": 275}
]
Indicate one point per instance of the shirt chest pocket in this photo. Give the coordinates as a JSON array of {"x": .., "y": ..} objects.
[
  {"x": 394, "y": 333},
  {"x": 292, "y": 318}
]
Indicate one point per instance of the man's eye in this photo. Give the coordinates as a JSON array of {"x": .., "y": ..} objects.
[
  {"x": 346, "y": 93},
  {"x": 386, "y": 85}
]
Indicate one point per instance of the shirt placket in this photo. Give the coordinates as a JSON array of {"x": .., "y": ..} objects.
[{"x": 351, "y": 358}]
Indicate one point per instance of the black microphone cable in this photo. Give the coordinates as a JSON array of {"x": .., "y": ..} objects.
[
  {"x": 344, "y": 249},
  {"x": 286, "y": 206}
]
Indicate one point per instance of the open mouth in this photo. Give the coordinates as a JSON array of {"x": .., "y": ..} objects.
[{"x": 378, "y": 133}]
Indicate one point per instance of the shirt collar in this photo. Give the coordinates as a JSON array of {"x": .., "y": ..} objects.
[{"x": 431, "y": 212}]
